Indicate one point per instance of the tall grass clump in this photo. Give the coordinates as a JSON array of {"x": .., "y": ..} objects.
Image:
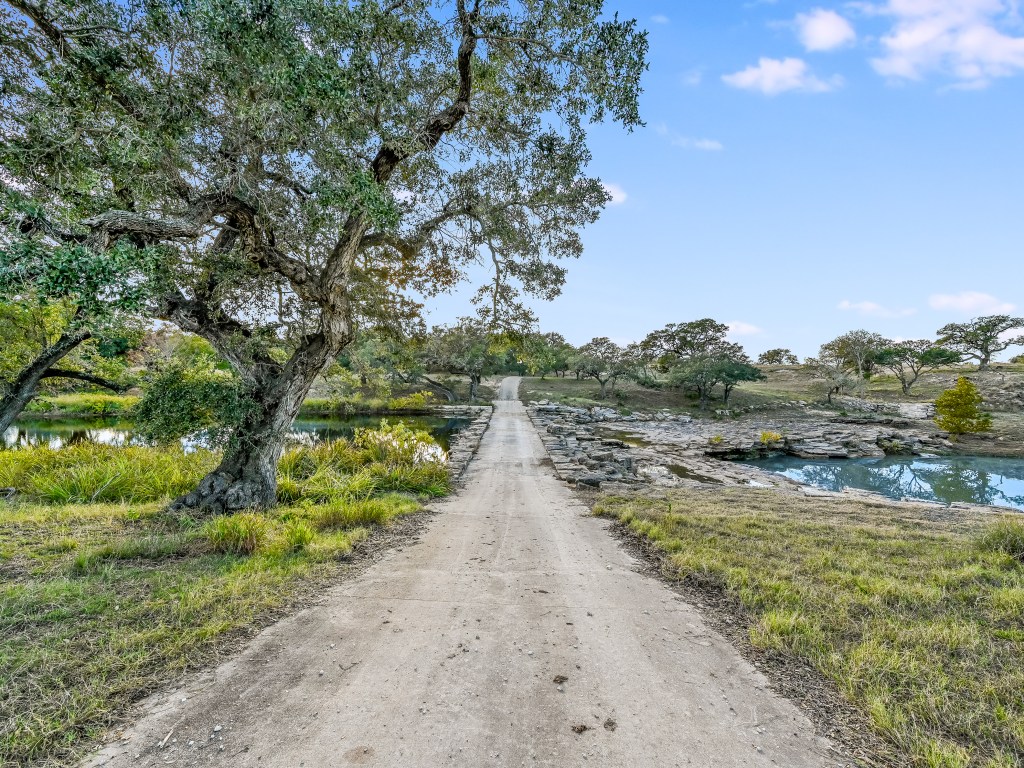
[
  {"x": 102, "y": 473},
  {"x": 364, "y": 513},
  {"x": 1006, "y": 537},
  {"x": 238, "y": 534}
]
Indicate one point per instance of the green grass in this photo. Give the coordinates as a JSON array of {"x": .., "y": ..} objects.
[
  {"x": 918, "y": 621},
  {"x": 82, "y": 404},
  {"x": 102, "y": 602},
  {"x": 102, "y": 473},
  {"x": 413, "y": 402}
]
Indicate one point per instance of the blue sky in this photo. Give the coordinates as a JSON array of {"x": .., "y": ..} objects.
[{"x": 807, "y": 169}]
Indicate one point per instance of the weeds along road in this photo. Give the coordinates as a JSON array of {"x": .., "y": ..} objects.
[{"x": 514, "y": 632}]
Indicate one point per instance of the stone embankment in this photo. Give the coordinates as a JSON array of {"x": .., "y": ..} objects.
[
  {"x": 464, "y": 443},
  {"x": 597, "y": 446}
]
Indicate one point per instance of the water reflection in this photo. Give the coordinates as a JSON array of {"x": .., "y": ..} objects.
[
  {"x": 973, "y": 479},
  {"x": 60, "y": 433}
]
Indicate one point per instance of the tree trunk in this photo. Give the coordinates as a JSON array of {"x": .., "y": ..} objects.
[
  {"x": 474, "y": 386},
  {"x": 604, "y": 388},
  {"x": 24, "y": 387},
  {"x": 246, "y": 477},
  {"x": 449, "y": 395}
]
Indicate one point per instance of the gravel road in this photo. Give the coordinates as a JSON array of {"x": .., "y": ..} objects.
[{"x": 514, "y": 632}]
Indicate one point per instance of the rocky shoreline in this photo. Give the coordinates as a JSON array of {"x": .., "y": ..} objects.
[
  {"x": 599, "y": 448},
  {"x": 464, "y": 443}
]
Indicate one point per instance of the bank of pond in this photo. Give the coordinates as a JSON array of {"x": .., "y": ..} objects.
[{"x": 60, "y": 433}]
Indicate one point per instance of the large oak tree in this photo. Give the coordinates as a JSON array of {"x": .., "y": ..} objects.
[{"x": 297, "y": 166}]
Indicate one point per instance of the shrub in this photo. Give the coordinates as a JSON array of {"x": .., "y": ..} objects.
[
  {"x": 417, "y": 401},
  {"x": 397, "y": 445},
  {"x": 238, "y": 534},
  {"x": 959, "y": 410},
  {"x": 770, "y": 437}
]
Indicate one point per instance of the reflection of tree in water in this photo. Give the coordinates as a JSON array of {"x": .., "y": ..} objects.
[
  {"x": 958, "y": 481},
  {"x": 892, "y": 480},
  {"x": 947, "y": 480}
]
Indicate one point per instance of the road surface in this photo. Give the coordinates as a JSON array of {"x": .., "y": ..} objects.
[{"x": 515, "y": 632}]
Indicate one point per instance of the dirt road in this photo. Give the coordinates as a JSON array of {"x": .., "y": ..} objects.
[{"x": 515, "y": 632}]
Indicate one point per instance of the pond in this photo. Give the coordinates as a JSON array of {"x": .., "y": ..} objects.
[
  {"x": 947, "y": 479},
  {"x": 57, "y": 433}
]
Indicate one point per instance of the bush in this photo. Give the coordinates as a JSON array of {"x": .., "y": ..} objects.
[
  {"x": 770, "y": 437},
  {"x": 959, "y": 410},
  {"x": 238, "y": 534},
  {"x": 397, "y": 445},
  {"x": 185, "y": 400},
  {"x": 417, "y": 401}
]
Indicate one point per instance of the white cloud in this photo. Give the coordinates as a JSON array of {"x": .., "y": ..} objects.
[
  {"x": 705, "y": 145},
  {"x": 739, "y": 328},
  {"x": 822, "y": 30},
  {"x": 688, "y": 142},
  {"x": 970, "y": 303},
  {"x": 775, "y": 76},
  {"x": 691, "y": 78},
  {"x": 660, "y": 18},
  {"x": 972, "y": 41},
  {"x": 618, "y": 194},
  {"x": 871, "y": 309}
]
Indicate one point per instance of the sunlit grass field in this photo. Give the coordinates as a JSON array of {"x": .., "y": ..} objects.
[{"x": 919, "y": 621}]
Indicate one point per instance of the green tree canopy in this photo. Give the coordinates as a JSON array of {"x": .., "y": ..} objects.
[
  {"x": 467, "y": 348},
  {"x": 909, "y": 359},
  {"x": 856, "y": 350},
  {"x": 778, "y": 356},
  {"x": 983, "y": 337},
  {"x": 603, "y": 360},
  {"x": 288, "y": 168}
]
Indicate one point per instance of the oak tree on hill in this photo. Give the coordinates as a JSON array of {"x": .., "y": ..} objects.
[
  {"x": 982, "y": 338},
  {"x": 467, "y": 348},
  {"x": 779, "y": 356},
  {"x": 856, "y": 350},
  {"x": 909, "y": 359}
]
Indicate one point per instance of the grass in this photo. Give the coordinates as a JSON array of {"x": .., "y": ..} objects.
[
  {"x": 358, "y": 403},
  {"x": 82, "y": 404},
  {"x": 103, "y": 601},
  {"x": 919, "y": 621},
  {"x": 102, "y": 473}
]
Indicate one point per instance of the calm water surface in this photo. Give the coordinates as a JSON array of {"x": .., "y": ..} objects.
[
  {"x": 57, "y": 433},
  {"x": 947, "y": 479}
]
